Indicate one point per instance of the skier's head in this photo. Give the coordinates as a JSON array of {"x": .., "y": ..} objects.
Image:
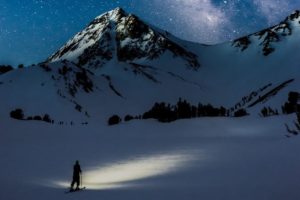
[{"x": 77, "y": 162}]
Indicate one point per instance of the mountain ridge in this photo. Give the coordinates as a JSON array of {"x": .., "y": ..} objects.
[
  {"x": 91, "y": 78},
  {"x": 270, "y": 35}
]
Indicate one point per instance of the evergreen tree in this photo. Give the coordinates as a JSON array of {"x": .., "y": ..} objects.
[
  {"x": 17, "y": 114},
  {"x": 113, "y": 120},
  {"x": 20, "y": 66}
]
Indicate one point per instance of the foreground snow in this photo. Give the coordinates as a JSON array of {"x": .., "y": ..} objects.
[{"x": 208, "y": 158}]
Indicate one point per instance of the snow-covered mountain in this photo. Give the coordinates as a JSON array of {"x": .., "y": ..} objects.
[
  {"x": 121, "y": 65},
  {"x": 121, "y": 36}
]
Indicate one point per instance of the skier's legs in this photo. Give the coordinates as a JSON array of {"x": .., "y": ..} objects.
[
  {"x": 72, "y": 184},
  {"x": 77, "y": 182}
]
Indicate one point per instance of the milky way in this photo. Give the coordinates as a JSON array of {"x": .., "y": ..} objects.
[
  {"x": 32, "y": 30},
  {"x": 214, "y": 21}
]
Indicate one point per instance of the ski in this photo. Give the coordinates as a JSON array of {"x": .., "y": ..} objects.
[{"x": 72, "y": 191}]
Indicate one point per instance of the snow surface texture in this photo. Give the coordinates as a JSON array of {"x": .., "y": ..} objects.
[
  {"x": 212, "y": 158},
  {"x": 121, "y": 65}
]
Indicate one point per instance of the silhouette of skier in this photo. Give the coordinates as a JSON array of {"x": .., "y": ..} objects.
[{"x": 76, "y": 176}]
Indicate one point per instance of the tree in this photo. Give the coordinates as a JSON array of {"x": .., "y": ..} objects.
[
  {"x": 17, "y": 114},
  {"x": 240, "y": 113},
  {"x": 184, "y": 109},
  {"x": 292, "y": 105},
  {"x": 20, "y": 66},
  {"x": 113, "y": 120},
  {"x": 223, "y": 111},
  {"x": 37, "y": 118},
  {"x": 264, "y": 112},
  {"x": 47, "y": 118},
  {"x": 128, "y": 118},
  {"x": 161, "y": 112},
  {"x": 293, "y": 97}
]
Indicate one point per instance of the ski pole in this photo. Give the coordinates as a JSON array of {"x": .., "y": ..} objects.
[{"x": 81, "y": 179}]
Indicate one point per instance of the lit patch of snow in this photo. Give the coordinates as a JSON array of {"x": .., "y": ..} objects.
[{"x": 123, "y": 173}]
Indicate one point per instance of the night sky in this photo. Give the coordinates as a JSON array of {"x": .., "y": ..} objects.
[{"x": 31, "y": 30}]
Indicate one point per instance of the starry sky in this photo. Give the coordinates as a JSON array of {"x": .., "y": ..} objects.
[{"x": 31, "y": 30}]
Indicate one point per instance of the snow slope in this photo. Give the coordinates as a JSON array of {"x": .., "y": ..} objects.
[{"x": 130, "y": 65}]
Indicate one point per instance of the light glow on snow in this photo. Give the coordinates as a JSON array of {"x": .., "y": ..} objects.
[{"x": 123, "y": 174}]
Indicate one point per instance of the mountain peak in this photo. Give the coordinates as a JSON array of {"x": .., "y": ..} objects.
[
  {"x": 121, "y": 36},
  {"x": 118, "y": 9},
  {"x": 114, "y": 15}
]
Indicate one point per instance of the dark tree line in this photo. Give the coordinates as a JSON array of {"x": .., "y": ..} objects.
[
  {"x": 289, "y": 107},
  {"x": 182, "y": 110},
  {"x": 165, "y": 112},
  {"x": 268, "y": 111},
  {"x": 248, "y": 98},
  {"x": 240, "y": 113},
  {"x": 5, "y": 68},
  {"x": 19, "y": 114}
]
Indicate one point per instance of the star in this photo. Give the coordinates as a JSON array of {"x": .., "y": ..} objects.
[{"x": 38, "y": 28}]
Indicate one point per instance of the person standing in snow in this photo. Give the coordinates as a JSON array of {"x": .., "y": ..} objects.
[{"x": 76, "y": 176}]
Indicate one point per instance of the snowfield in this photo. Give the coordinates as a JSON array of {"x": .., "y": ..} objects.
[{"x": 207, "y": 158}]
